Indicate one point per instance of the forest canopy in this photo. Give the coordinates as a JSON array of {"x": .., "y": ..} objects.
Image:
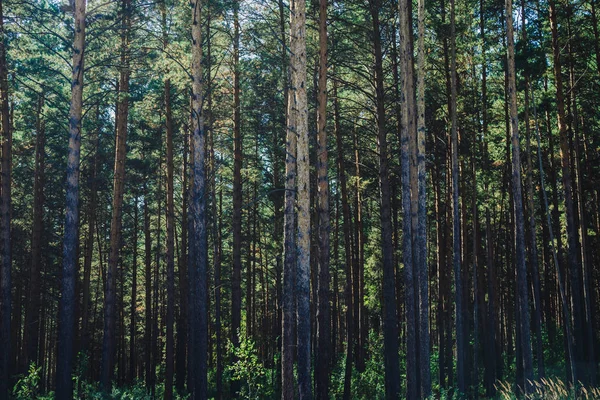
[{"x": 332, "y": 199}]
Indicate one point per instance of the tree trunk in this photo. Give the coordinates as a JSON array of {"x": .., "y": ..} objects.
[
  {"x": 133, "y": 311},
  {"x": 236, "y": 279},
  {"x": 148, "y": 292},
  {"x": 390, "y": 321},
  {"x": 323, "y": 319},
  {"x": 64, "y": 365},
  {"x": 86, "y": 331},
  {"x": 299, "y": 107},
  {"x": 182, "y": 320},
  {"x": 521, "y": 276},
  {"x": 169, "y": 368},
  {"x": 32, "y": 316},
  {"x": 461, "y": 340},
  {"x": 289, "y": 248},
  {"x": 109, "y": 342},
  {"x": 347, "y": 242},
  {"x": 567, "y": 181},
  {"x": 409, "y": 200},
  {"x": 421, "y": 234},
  {"x": 562, "y": 292},
  {"x": 198, "y": 257}
]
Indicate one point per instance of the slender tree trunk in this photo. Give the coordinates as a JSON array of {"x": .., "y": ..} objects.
[
  {"x": 236, "y": 279},
  {"x": 64, "y": 365},
  {"x": 347, "y": 242},
  {"x": 148, "y": 292},
  {"x": 533, "y": 253},
  {"x": 198, "y": 271},
  {"x": 574, "y": 270},
  {"x": 590, "y": 366},
  {"x": 86, "y": 331},
  {"x": 521, "y": 276},
  {"x": 461, "y": 340},
  {"x": 109, "y": 341},
  {"x": 390, "y": 321},
  {"x": 323, "y": 320},
  {"x": 169, "y": 368},
  {"x": 133, "y": 316},
  {"x": 409, "y": 201},
  {"x": 32, "y": 315},
  {"x": 299, "y": 107},
  {"x": 182, "y": 320},
  {"x": 289, "y": 249},
  {"x": 421, "y": 234},
  {"x": 562, "y": 292}
]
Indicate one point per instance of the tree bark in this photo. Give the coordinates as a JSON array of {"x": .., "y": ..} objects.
[
  {"x": 169, "y": 368},
  {"x": 198, "y": 271},
  {"x": 109, "y": 341},
  {"x": 133, "y": 312},
  {"x": 32, "y": 319},
  {"x": 148, "y": 292},
  {"x": 521, "y": 268},
  {"x": 323, "y": 319},
  {"x": 574, "y": 270},
  {"x": 299, "y": 107},
  {"x": 409, "y": 201},
  {"x": 390, "y": 320},
  {"x": 461, "y": 343},
  {"x": 64, "y": 362},
  {"x": 236, "y": 279},
  {"x": 289, "y": 246}
]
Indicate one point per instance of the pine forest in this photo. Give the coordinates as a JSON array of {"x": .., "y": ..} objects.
[{"x": 292, "y": 199}]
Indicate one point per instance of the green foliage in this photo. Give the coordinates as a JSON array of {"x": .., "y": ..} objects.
[
  {"x": 254, "y": 378},
  {"x": 28, "y": 386},
  {"x": 370, "y": 383}
]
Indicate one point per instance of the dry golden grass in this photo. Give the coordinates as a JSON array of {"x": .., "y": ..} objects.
[{"x": 549, "y": 389}]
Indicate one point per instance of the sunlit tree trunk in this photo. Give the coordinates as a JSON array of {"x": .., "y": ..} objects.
[{"x": 198, "y": 258}]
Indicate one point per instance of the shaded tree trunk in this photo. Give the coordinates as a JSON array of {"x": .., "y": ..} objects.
[
  {"x": 390, "y": 321},
  {"x": 236, "y": 279},
  {"x": 574, "y": 270},
  {"x": 32, "y": 315},
  {"x": 323, "y": 319},
  {"x": 524, "y": 332},
  {"x": 110, "y": 297},
  {"x": 64, "y": 364},
  {"x": 461, "y": 339}
]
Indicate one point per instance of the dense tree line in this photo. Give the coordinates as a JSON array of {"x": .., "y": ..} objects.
[{"x": 329, "y": 199}]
